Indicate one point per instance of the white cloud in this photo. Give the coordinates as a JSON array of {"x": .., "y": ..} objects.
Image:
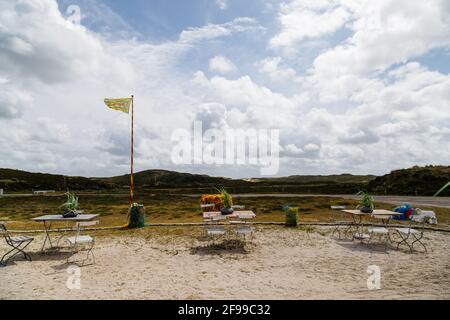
[
  {"x": 221, "y": 64},
  {"x": 222, "y": 4},
  {"x": 13, "y": 100},
  {"x": 309, "y": 150},
  {"x": 67, "y": 70},
  {"x": 308, "y": 19},
  {"x": 276, "y": 72},
  {"x": 212, "y": 31},
  {"x": 257, "y": 102},
  {"x": 387, "y": 32},
  {"x": 37, "y": 42},
  {"x": 363, "y": 105}
]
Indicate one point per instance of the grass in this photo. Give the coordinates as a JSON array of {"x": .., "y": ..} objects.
[{"x": 166, "y": 208}]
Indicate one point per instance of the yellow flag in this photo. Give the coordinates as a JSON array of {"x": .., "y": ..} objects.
[{"x": 121, "y": 104}]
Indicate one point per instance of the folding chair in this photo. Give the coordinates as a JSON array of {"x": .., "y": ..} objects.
[
  {"x": 410, "y": 233},
  {"x": 18, "y": 245},
  {"x": 341, "y": 225},
  {"x": 245, "y": 230},
  {"x": 84, "y": 241},
  {"x": 242, "y": 227},
  {"x": 380, "y": 231},
  {"x": 213, "y": 230}
]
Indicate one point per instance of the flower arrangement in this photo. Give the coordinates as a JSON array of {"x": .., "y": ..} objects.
[
  {"x": 211, "y": 198},
  {"x": 221, "y": 200}
]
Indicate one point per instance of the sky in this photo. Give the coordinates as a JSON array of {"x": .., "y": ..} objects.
[{"x": 353, "y": 86}]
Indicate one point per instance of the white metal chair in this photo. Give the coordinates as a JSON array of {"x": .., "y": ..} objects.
[
  {"x": 341, "y": 225},
  {"x": 18, "y": 244},
  {"x": 215, "y": 232},
  {"x": 409, "y": 233},
  {"x": 244, "y": 231},
  {"x": 379, "y": 231},
  {"x": 86, "y": 242}
]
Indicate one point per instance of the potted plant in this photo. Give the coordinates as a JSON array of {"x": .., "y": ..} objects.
[
  {"x": 227, "y": 201},
  {"x": 291, "y": 215},
  {"x": 136, "y": 216},
  {"x": 70, "y": 206},
  {"x": 366, "y": 202}
]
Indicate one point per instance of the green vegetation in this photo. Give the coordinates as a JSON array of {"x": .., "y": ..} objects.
[
  {"x": 419, "y": 181},
  {"x": 226, "y": 197},
  {"x": 366, "y": 202},
  {"x": 71, "y": 203},
  {"x": 291, "y": 214},
  {"x": 415, "y": 181},
  {"x": 163, "y": 181},
  {"x": 169, "y": 208}
]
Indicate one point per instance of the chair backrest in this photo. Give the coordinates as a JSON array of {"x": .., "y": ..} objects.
[
  {"x": 4, "y": 232},
  {"x": 380, "y": 216},
  {"x": 81, "y": 225},
  {"x": 209, "y": 214},
  {"x": 87, "y": 224},
  {"x": 218, "y": 218}
]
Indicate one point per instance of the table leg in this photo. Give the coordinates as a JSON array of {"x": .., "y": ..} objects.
[
  {"x": 47, "y": 235},
  {"x": 357, "y": 226},
  {"x": 359, "y": 234},
  {"x": 386, "y": 223},
  {"x": 63, "y": 233}
]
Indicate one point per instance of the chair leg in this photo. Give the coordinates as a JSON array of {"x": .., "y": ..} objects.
[
  {"x": 15, "y": 251},
  {"x": 387, "y": 240},
  {"x": 4, "y": 261},
  {"x": 73, "y": 252},
  {"x": 26, "y": 255},
  {"x": 403, "y": 240},
  {"x": 370, "y": 238},
  {"x": 90, "y": 252},
  {"x": 336, "y": 229},
  {"x": 418, "y": 239}
]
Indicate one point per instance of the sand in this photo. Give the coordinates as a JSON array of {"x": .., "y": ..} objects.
[{"x": 280, "y": 263}]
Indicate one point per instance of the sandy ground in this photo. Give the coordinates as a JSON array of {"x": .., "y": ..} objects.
[{"x": 280, "y": 263}]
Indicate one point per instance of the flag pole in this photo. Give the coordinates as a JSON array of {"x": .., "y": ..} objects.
[{"x": 132, "y": 150}]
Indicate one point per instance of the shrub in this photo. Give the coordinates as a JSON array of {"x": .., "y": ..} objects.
[{"x": 291, "y": 214}]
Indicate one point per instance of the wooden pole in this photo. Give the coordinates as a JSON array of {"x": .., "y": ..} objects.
[{"x": 132, "y": 150}]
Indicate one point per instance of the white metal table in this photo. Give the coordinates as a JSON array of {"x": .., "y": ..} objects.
[
  {"x": 357, "y": 216},
  {"x": 48, "y": 219}
]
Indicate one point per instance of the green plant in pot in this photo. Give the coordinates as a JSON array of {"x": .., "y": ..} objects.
[
  {"x": 227, "y": 201},
  {"x": 366, "y": 202},
  {"x": 70, "y": 206},
  {"x": 291, "y": 215},
  {"x": 136, "y": 216}
]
